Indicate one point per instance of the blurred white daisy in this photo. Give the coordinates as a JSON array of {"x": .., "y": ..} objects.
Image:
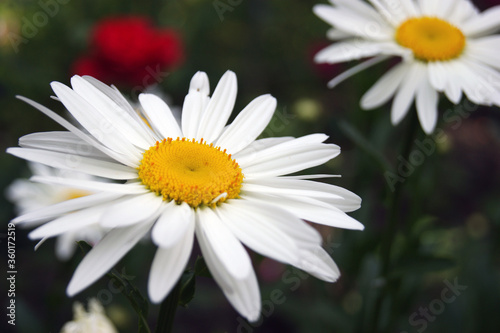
[
  {"x": 29, "y": 197},
  {"x": 200, "y": 177},
  {"x": 95, "y": 320},
  {"x": 446, "y": 46}
]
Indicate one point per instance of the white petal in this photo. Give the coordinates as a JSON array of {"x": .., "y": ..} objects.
[
  {"x": 268, "y": 148},
  {"x": 462, "y": 11},
  {"x": 224, "y": 244},
  {"x": 350, "y": 50},
  {"x": 438, "y": 77},
  {"x": 344, "y": 204},
  {"x": 218, "y": 110},
  {"x": 243, "y": 293},
  {"x": 63, "y": 142},
  {"x": 248, "y": 125},
  {"x": 249, "y": 152},
  {"x": 314, "y": 176},
  {"x": 168, "y": 265},
  {"x": 387, "y": 11},
  {"x": 406, "y": 92},
  {"x": 410, "y": 8},
  {"x": 65, "y": 246},
  {"x": 485, "y": 23},
  {"x": 105, "y": 255},
  {"x": 453, "y": 88},
  {"x": 485, "y": 50},
  {"x": 91, "y": 119},
  {"x": 360, "y": 8},
  {"x": 68, "y": 223},
  {"x": 114, "y": 94},
  {"x": 428, "y": 7},
  {"x": 64, "y": 207},
  {"x": 282, "y": 185},
  {"x": 172, "y": 224},
  {"x": 302, "y": 233},
  {"x": 318, "y": 263},
  {"x": 194, "y": 104},
  {"x": 355, "y": 70},
  {"x": 321, "y": 214},
  {"x": 124, "y": 158},
  {"x": 478, "y": 82},
  {"x": 132, "y": 210},
  {"x": 130, "y": 188},
  {"x": 427, "y": 102},
  {"x": 113, "y": 113},
  {"x": 289, "y": 160},
  {"x": 160, "y": 116},
  {"x": 444, "y": 8},
  {"x": 335, "y": 34},
  {"x": 257, "y": 230},
  {"x": 487, "y": 82},
  {"x": 357, "y": 23},
  {"x": 87, "y": 165},
  {"x": 385, "y": 87}
]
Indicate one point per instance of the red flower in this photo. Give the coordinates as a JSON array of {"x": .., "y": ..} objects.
[{"x": 131, "y": 51}]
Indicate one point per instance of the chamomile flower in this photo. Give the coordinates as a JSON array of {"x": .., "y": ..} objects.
[
  {"x": 29, "y": 196},
  {"x": 199, "y": 177},
  {"x": 446, "y": 46}
]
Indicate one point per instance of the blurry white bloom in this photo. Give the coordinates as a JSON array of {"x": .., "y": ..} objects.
[
  {"x": 28, "y": 197},
  {"x": 93, "y": 321},
  {"x": 198, "y": 178},
  {"x": 446, "y": 45}
]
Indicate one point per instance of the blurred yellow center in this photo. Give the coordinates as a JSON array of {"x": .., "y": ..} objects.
[
  {"x": 190, "y": 171},
  {"x": 74, "y": 194},
  {"x": 431, "y": 39}
]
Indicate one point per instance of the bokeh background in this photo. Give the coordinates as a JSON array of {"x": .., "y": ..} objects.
[{"x": 448, "y": 209}]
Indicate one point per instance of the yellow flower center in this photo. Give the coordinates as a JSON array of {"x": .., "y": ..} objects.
[
  {"x": 190, "y": 171},
  {"x": 431, "y": 39}
]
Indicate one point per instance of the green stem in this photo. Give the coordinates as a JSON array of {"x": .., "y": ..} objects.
[
  {"x": 167, "y": 311},
  {"x": 392, "y": 225}
]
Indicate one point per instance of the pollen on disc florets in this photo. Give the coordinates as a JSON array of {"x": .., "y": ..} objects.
[
  {"x": 190, "y": 171},
  {"x": 431, "y": 38}
]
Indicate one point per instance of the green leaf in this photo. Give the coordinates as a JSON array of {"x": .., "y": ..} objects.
[
  {"x": 200, "y": 268},
  {"x": 187, "y": 288}
]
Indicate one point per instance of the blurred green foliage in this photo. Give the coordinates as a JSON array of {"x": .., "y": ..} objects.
[{"x": 448, "y": 213}]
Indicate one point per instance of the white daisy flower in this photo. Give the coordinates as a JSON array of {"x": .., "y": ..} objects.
[
  {"x": 198, "y": 178},
  {"x": 29, "y": 197},
  {"x": 95, "y": 320},
  {"x": 446, "y": 46}
]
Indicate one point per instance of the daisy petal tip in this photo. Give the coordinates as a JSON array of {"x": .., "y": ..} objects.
[
  {"x": 154, "y": 296},
  {"x": 428, "y": 128},
  {"x": 199, "y": 82},
  {"x": 332, "y": 278},
  {"x": 253, "y": 316},
  {"x": 73, "y": 288},
  {"x": 75, "y": 80},
  {"x": 16, "y": 221},
  {"x": 56, "y": 85},
  {"x": 319, "y": 8},
  {"x": 230, "y": 76},
  {"x": 230, "y": 72},
  {"x": 35, "y": 235}
]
